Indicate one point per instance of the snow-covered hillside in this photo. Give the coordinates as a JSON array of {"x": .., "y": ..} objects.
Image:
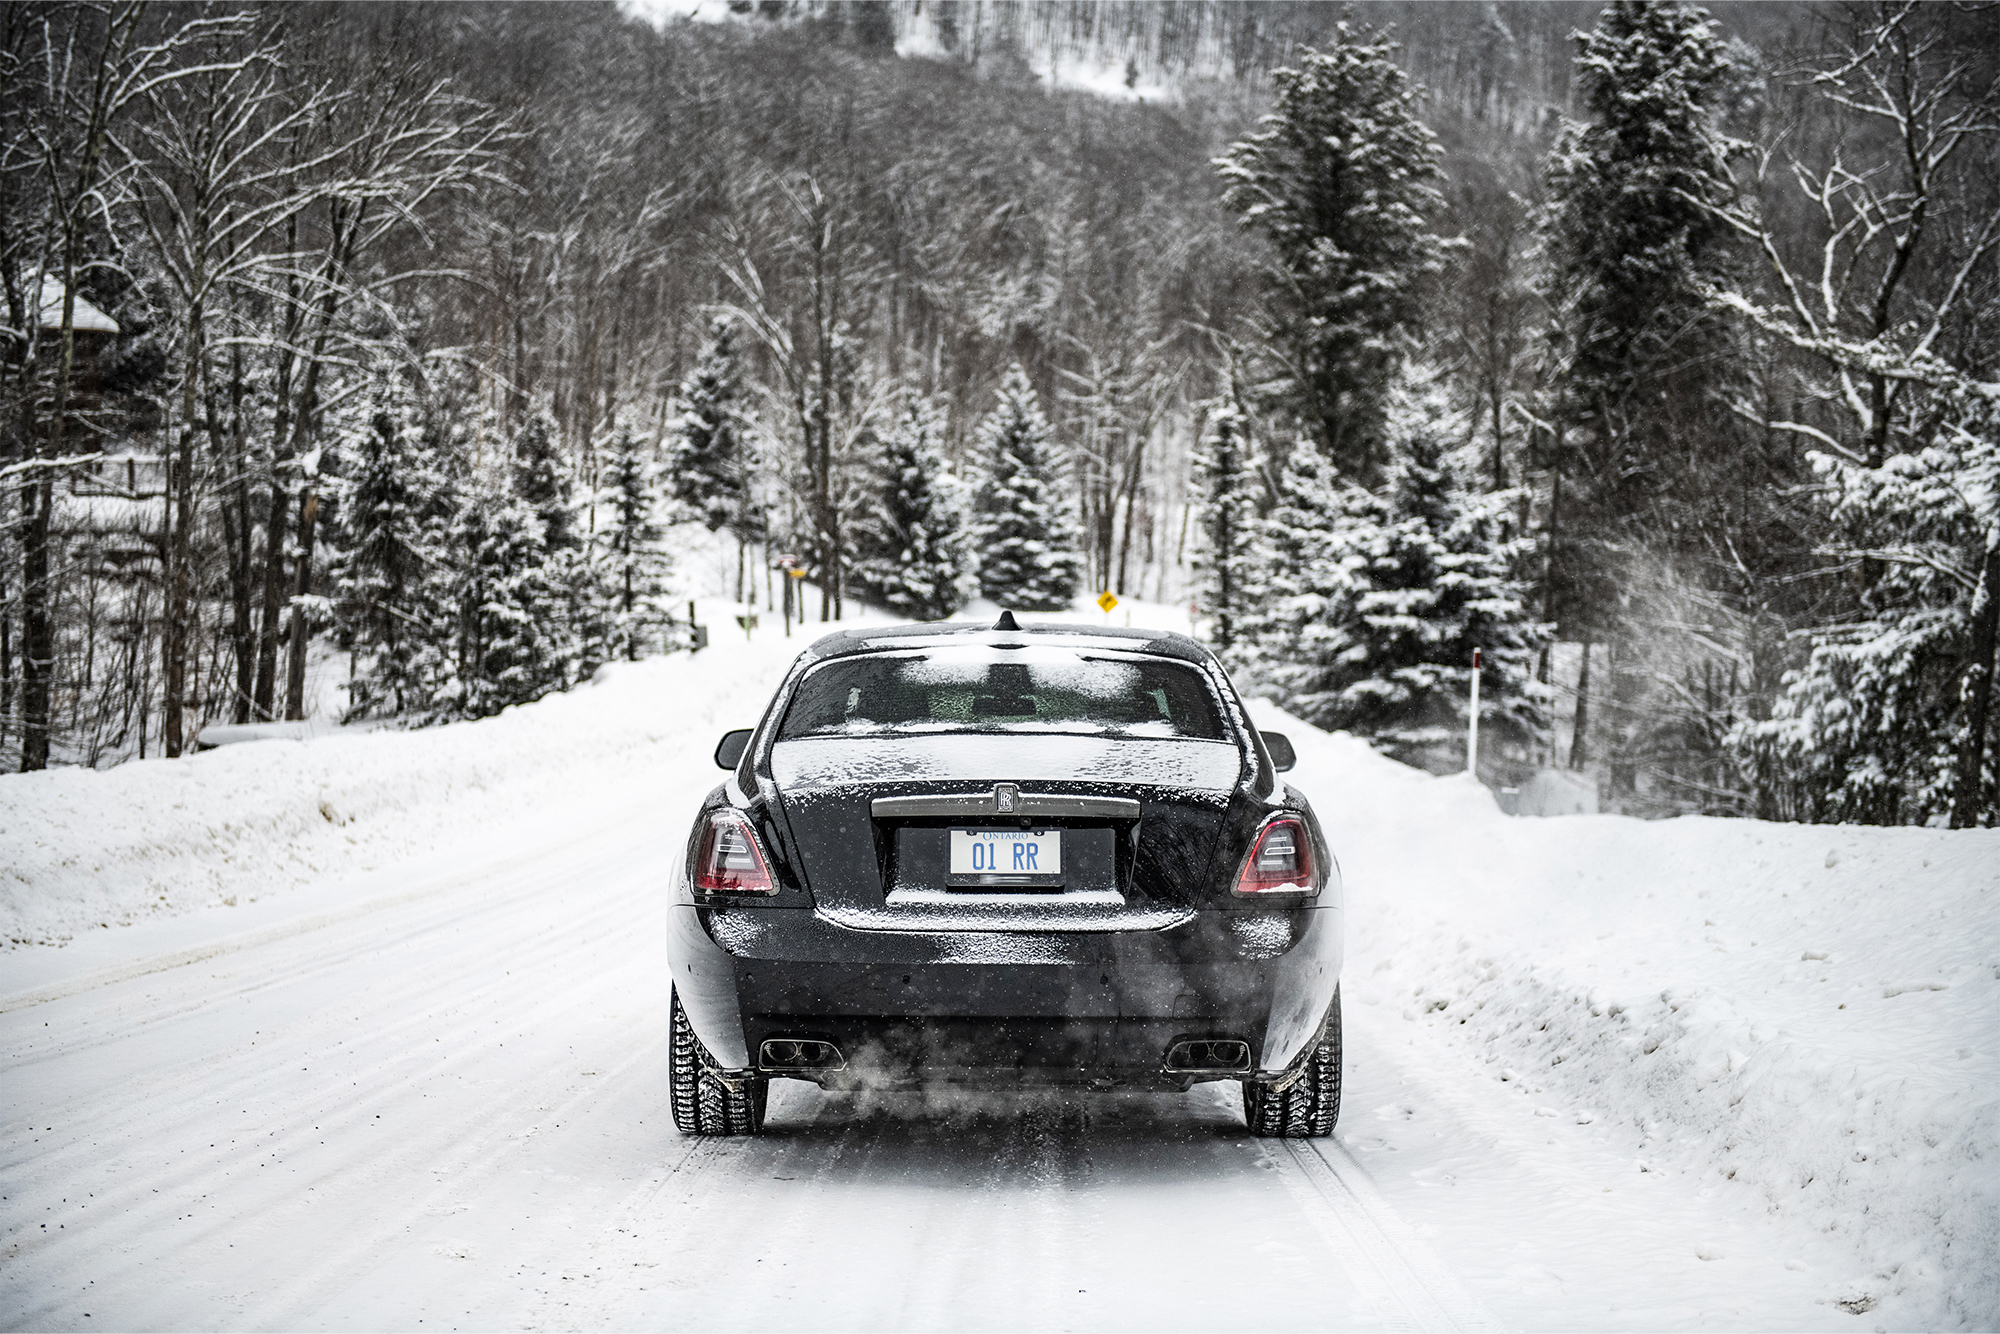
[{"x": 1803, "y": 1019}]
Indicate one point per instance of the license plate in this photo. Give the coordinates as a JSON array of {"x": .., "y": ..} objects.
[{"x": 1034, "y": 856}]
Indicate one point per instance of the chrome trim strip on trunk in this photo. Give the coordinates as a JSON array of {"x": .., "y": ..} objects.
[{"x": 1028, "y": 804}]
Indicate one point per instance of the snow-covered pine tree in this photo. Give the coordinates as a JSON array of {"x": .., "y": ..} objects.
[
  {"x": 706, "y": 449},
  {"x": 1224, "y": 482},
  {"x": 633, "y": 565},
  {"x": 543, "y": 480},
  {"x": 387, "y": 558},
  {"x": 1634, "y": 233},
  {"x": 1890, "y": 720},
  {"x": 1287, "y": 640},
  {"x": 910, "y": 543},
  {"x": 450, "y": 461},
  {"x": 509, "y": 648},
  {"x": 1433, "y": 580},
  {"x": 1634, "y": 222},
  {"x": 1024, "y": 535},
  {"x": 1341, "y": 184}
]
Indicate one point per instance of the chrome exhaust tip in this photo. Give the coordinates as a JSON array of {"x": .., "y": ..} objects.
[
  {"x": 1208, "y": 1056},
  {"x": 782, "y": 1055}
]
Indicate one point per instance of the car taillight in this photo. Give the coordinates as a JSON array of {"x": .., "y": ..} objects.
[
  {"x": 730, "y": 862},
  {"x": 1280, "y": 861}
]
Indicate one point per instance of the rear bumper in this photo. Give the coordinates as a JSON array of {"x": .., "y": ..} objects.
[{"x": 1005, "y": 1007}]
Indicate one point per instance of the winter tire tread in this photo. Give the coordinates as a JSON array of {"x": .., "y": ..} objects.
[
  {"x": 1309, "y": 1108},
  {"x": 702, "y": 1104}
]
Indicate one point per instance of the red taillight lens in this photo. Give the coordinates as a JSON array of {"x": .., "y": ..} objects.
[
  {"x": 1280, "y": 861},
  {"x": 729, "y": 861}
]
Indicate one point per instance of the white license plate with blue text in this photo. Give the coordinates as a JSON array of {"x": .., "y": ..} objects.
[{"x": 1006, "y": 852}]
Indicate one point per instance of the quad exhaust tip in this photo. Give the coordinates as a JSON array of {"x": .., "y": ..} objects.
[
  {"x": 799, "y": 1054},
  {"x": 1209, "y": 1056}
]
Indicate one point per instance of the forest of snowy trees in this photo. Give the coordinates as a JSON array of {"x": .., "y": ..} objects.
[{"x": 1649, "y": 350}]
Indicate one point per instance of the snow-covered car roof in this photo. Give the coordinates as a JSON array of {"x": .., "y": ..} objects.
[{"x": 874, "y": 639}]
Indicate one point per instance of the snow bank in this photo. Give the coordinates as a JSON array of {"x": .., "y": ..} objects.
[
  {"x": 1812, "y": 1011},
  {"x": 83, "y": 849}
]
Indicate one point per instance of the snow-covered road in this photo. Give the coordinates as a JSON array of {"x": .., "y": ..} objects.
[
  {"x": 449, "y": 1111},
  {"x": 424, "y": 1085}
]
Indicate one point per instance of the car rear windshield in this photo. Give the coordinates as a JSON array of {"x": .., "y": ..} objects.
[{"x": 1002, "y": 690}]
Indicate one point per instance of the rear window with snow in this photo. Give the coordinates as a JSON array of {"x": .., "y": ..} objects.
[{"x": 1002, "y": 690}]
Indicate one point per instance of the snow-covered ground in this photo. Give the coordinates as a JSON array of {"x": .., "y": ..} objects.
[
  {"x": 366, "y": 1032},
  {"x": 1803, "y": 1020}
]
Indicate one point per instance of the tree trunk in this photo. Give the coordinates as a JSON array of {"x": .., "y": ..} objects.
[
  {"x": 6, "y": 638},
  {"x": 1579, "y": 750},
  {"x": 243, "y": 649},
  {"x": 828, "y": 523},
  {"x": 236, "y": 536},
  {"x": 1977, "y": 690},
  {"x": 38, "y": 639},
  {"x": 180, "y": 506},
  {"x": 820, "y": 452},
  {"x": 1225, "y": 534},
  {"x": 1549, "y": 549},
  {"x": 517, "y": 392},
  {"x": 145, "y": 672},
  {"x": 276, "y": 526},
  {"x": 1125, "y": 546},
  {"x": 295, "y": 658},
  {"x": 24, "y": 384},
  {"x": 37, "y": 630},
  {"x": 278, "y": 514},
  {"x": 1131, "y": 495},
  {"x": 276, "y": 520},
  {"x": 180, "y": 545}
]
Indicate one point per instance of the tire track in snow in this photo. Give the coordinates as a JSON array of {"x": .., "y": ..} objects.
[
  {"x": 687, "y": 1159},
  {"x": 1394, "y": 1268},
  {"x": 309, "y": 1292},
  {"x": 1004, "y": 1211},
  {"x": 697, "y": 1201}
]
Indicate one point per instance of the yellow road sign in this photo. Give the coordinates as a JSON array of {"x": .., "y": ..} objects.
[{"x": 1106, "y": 601}]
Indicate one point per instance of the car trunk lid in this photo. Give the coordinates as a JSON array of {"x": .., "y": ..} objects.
[{"x": 873, "y": 824}]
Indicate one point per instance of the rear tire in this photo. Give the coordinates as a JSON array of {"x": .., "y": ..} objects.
[
  {"x": 702, "y": 1103},
  {"x": 1308, "y": 1109}
]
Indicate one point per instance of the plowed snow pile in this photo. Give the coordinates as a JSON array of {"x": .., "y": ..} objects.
[{"x": 1811, "y": 1010}]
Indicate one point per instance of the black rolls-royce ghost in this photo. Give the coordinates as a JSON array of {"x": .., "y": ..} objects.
[{"x": 1006, "y": 856}]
